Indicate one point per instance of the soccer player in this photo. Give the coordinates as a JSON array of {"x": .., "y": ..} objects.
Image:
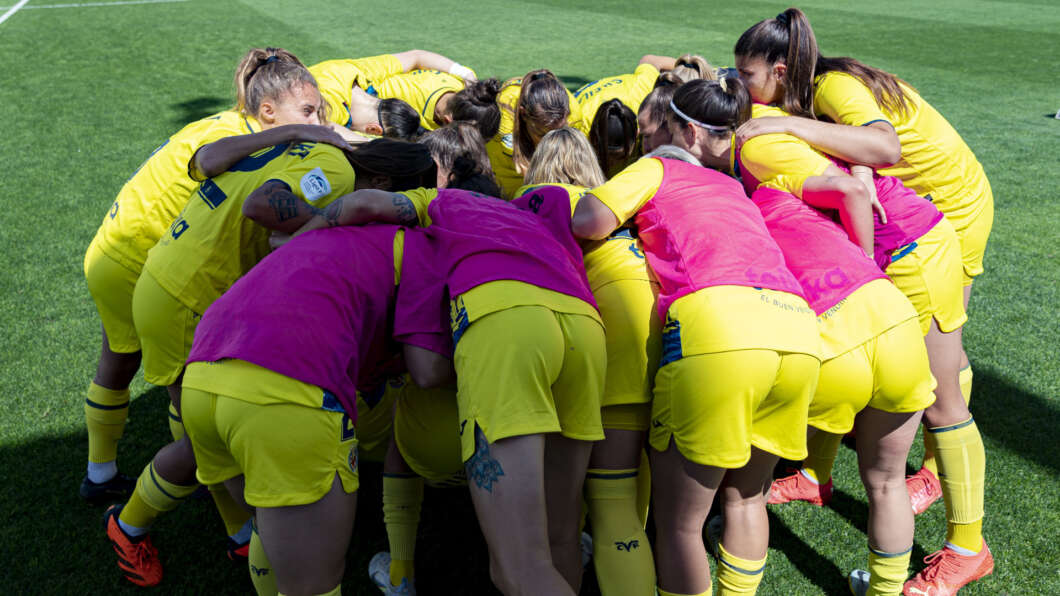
[
  {"x": 208, "y": 247},
  {"x": 529, "y": 108},
  {"x": 882, "y": 121},
  {"x": 270, "y": 395},
  {"x": 347, "y": 87},
  {"x": 442, "y": 98},
  {"x": 740, "y": 355},
  {"x": 625, "y": 295},
  {"x": 277, "y": 102},
  {"x": 651, "y": 118}
]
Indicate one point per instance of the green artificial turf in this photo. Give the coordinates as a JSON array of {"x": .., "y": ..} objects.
[{"x": 87, "y": 92}]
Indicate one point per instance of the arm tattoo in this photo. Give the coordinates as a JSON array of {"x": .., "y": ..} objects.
[
  {"x": 285, "y": 204},
  {"x": 331, "y": 213},
  {"x": 406, "y": 212},
  {"x": 481, "y": 467}
]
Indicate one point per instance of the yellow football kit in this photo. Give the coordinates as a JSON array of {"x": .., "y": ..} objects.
[
  {"x": 936, "y": 163},
  {"x": 630, "y": 89},
  {"x": 143, "y": 209},
  {"x": 210, "y": 244},
  {"x": 336, "y": 79},
  {"x": 421, "y": 89},
  {"x": 545, "y": 376},
  {"x": 499, "y": 148}
]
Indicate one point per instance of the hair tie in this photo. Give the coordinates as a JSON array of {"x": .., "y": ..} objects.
[
  {"x": 782, "y": 18},
  {"x": 271, "y": 59},
  {"x": 687, "y": 118},
  {"x": 694, "y": 67},
  {"x": 538, "y": 75}
]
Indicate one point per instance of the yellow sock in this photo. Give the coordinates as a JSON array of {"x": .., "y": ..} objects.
[
  {"x": 643, "y": 489},
  {"x": 260, "y": 569},
  {"x": 663, "y": 592},
  {"x": 106, "y": 411},
  {"x": 621, "y": 553},
  {"x": 888, "y": 571},
  {"x": 402, "y": 498},
  {"x": 176, "y": 424},
  {"x": 929, "y": 453},
  {"x": 232, "y": 514},
  {"x": 153, "y": 495},
  {"x": 736, "y": 575},
  {"x": 965, "y": 378},
  {"x": 962, "y": 472},
  {"x": 822, "y": 449}
]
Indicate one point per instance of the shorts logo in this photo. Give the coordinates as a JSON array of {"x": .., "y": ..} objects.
[
  {"x": 352, "y": 459},
  {"x": 315, "y": 185},
  {"x": 259, "y": 571},
  {"x": 627, "y": 546}
]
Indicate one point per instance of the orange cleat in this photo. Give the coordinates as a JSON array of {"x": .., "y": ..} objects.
[
  {"x": 137, "y": 557},
  {"x": 924, "y": 489},
  {"x": 798, "y": 487},
  {"x": 947, "y": 571}
]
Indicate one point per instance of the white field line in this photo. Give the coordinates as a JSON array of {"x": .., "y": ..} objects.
[
  {"x": 90, "y": 4},
  {"x": 12, "y": 10}
]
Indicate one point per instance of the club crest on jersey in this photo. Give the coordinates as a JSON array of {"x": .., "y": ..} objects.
[
  {"x": 506, "y": 140},
  {"x": 627, "y": 546},
  {"x": 315, "y": 185}
]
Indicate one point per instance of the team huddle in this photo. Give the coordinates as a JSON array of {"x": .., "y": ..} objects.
[{"x": 587, "y": 307}]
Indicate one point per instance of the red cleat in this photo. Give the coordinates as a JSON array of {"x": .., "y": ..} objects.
[
  {"x": 924, "y": 489},
  {"x": 798, "y": 487},
  {"x": 137, "y": 557},
  {"x": 948, "y": 571}
]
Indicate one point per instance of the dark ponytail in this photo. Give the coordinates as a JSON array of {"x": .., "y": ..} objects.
[
  {"x": 399, "y": 120},
  {"x": 467, "y": 175},
  {"x": 724, "y": 103},
  {"x": 787, "y": 38},
  {"x": 477, "y": 103},
  {"x": 459, "y": 148},
  {"x": 408, "y": 165},
  {"x": 613, "y": 132}
]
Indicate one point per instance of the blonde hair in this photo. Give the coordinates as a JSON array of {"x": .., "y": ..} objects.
[
  {"x": 269, "y": 73},
  {"x": 564, "y": 156},
  {"x": 689, "y": 67}
]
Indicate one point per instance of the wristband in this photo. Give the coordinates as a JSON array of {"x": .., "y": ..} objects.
[{"x": 459, "y": 70}]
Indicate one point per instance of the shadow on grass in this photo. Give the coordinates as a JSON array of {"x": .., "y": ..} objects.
[
  {"x": 199, "y": 108},
  {"x": 53, "y": 542},
  {"x": 815, "y": 567},
  {"x": 1018, "y": 420}
]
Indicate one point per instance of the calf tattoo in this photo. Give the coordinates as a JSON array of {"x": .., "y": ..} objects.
[{"x": 482, "y": 468}]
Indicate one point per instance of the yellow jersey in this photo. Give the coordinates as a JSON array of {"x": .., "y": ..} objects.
[
  {"x": 620, "y": 256},
  {"x": 500, "y": 148},
  {"x": 936, "y": 163},
  {"x": 160, "y": 187},
  {"x": 421, "y": 89},
  {"x": 210, "y": 244},
  {"x": 779, "y": 161},
  {"x": 336, "y": 79},
  {"x": 630, "y": 89}
]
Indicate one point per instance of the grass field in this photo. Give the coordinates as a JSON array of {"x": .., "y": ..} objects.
[{"x": 87, "y": 91}]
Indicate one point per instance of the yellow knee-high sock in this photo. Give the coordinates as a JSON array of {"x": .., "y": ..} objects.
[
  {"x": 621, "y": 552},
  {"x": 176, "y": 424},
  {"x": 106, "y": 411},
  {"x": 962, "y": 471},
  {"x": 736, "y": 575},
  {"x": 822, "y": 449},
  {"x": 402, "y": 499},
  {"x": 665, "y": 593},
  {"x": 930, "y": 444},
  {"x": 153, "y": 496},
  {"x": 232, "y": 514},
  {"x": 965, "y": 379},
  {"x": 643, "y": 489},
  {"x": 888, "y": 571},
  {"x": 260, "y": 569}
]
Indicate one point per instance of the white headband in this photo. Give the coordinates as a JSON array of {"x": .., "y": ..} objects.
[{"x": 711, "y": 127}]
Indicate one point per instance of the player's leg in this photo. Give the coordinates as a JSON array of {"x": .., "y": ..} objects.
[
  {"x": 307, "y": 544},
  {"x": 745, "y": 539},
  {"x": 566, "y": 462},
  {"x": 402, "y": 501}
]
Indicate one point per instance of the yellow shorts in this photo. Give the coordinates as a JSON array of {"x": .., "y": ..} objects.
[
  {"x": 111, "y": 285},
  {"x": 627, "y": 416},
  {"x": 375, "y": 421},
  {"x": 166, "y": 329},
  {"x": 716, "y": 406},
  {"x": 426, "y": 429},
  {"x": 930, "y": 276},
  {"x": 528, "y": 370},
  {"x": 973, "y": 233},
  {"x": 232, "y": 437},
  {"x": 889, "y": 372},
  {"x": 634, "y": 340}
]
